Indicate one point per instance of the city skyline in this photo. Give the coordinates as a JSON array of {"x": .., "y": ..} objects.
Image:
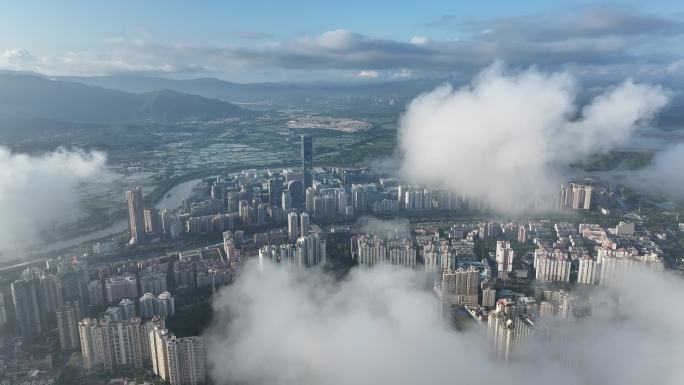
[{"x": 306, "y": 192}]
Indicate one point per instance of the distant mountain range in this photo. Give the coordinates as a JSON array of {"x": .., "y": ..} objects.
[
  {"x": 139, "y": 98},
  {"x": 263, "y": 92},
  {"x": 32, "y": 96}
]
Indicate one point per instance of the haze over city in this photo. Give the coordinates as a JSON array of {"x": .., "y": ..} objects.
[{"x": 229, "y": 192}]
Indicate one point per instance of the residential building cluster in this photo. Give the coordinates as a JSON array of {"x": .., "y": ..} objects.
[
  {"x": 374, "y": 249},
  {"x": 108, "y": 344}
]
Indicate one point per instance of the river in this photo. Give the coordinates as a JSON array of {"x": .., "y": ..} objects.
[{"x": 171, "y": 200}]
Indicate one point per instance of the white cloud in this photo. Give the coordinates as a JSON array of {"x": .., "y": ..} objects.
[
  {"x": 603, "y": 41},
  {"x": 38, "y": 192},
  {"x": 382, "y": 326},
  {"x": 402, "y": 73},
  {"x": 664, "y": 175},
  {"x": 368, "y": 74},
  {"x": 503, "y": 137},
  {"x": 419, "y": 40},
  {"x": 339, "y": 39},
  {"x": 18, "y": 58}
]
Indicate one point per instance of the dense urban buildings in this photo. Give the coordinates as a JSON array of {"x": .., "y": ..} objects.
[
  {"x": 247, "y": 193},
  {"x": 511, "y": 275}
]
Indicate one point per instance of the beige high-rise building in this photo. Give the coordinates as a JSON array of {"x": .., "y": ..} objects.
[
  {"x": 108, "y": 344},
  {"x": 488, "y": 297},
  {"x": 86, "y": 331},
  {"x": 180, "y": 361},
  {"x": 229, "y": 246},
  {"x": 552, "y": 265},
  {"x": 575, "y": 196},
  {"x": 459, "y": 287},
  {"x": 136, "y": 220},
  {"x": 403, "y": 255},
  {"x": 509, "y": 333},
  {"x": 587, "y": 273},
  {"x": 152, "y": 221},
  {"x": 587, "y": 197}
]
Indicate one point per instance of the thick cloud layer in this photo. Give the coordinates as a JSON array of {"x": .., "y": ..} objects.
[
  {"x": 503, "y": 137},
  {"x": 382, "y": 326},
  {"x": 665, "y": 174},
  {"x": 38, "y": 192}
]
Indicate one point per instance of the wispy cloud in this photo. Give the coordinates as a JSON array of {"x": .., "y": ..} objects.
[
  {"x": 587, "y": 38},
  {"x": 585, "y": 22},
  {"x": 40, "y": 192},
  {"x": 368, "y": 74},
  {"x": 252, "y": 35}
]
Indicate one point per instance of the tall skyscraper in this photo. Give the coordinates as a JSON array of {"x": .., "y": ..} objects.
[
  {"x": 305, "y": 224},
  {"x": 293, "y": 226},
  {"x": 147, "y": 305},
  {"x": 180, "y": 361},
  {"x": 152, "y": 221},
  {"x": 127, "y": 309},
  {"x": 310, "y": 199},
  {"x": 67, "y": 327},
  {"x": 510, "y": 332},
  {"x": 136, "y": 219},
  {"x": 552, "y": 265},
  {"x": 165, "y": 306},
  {"x": 3, "y": 312},
  {"x": 74, "y": 291},
  {"x": 488, "y": 297},
  {"x": 275, "y": 191},
  {"x": 29, "y": 303},
  {"x": 152, "y": 281},
  {"x": 95, "y": 292},
  {"x": 459, "y": 287},
  {"x": 342, "y": 199},
  {"x": 230, "y": 245},
  {"x": 51, "y": 293},
  {"x": 310, "y": 251},
  {"x": 286, "y": 200},
  {"x": 307, "y": 160},
  {"x": 120, "y": 287},
  {"x": 504, "y": 258},
  {"x": 587, "y": 272}
]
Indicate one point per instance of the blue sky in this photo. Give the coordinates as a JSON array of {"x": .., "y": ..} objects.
[{"x": 331, "y": 40}]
